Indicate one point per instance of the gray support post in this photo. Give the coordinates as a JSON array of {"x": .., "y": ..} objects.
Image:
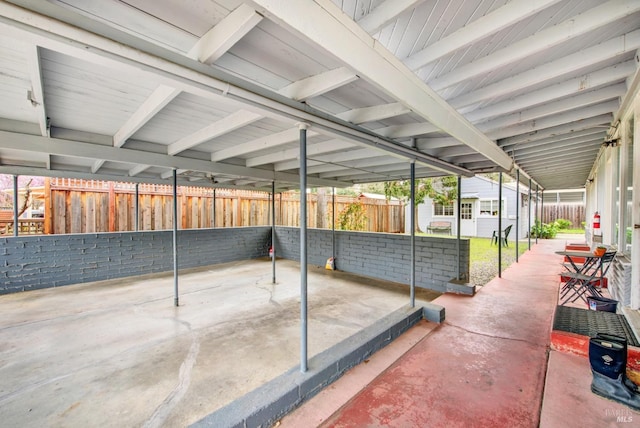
[
  {"x": 459, "y": 217},
  {"x": 412, "y": 283},
  {"x": 273, "y": 231},
  {"x": 542, "y": 206},
  {"x": 517, "y": 212},
  {"x": 500, "y": 225},
  {"x": 333, "y": 225},
  {"x": 529, "y": 210},
  {"x": 175, "y": 239},
  {"x": 137, "y": 206},
  {"x": 213, "y": 208},
  {"x": 15, "y": 205},
  {"x": 303, "y": 248},
  {"x": 537, "y": 212}
]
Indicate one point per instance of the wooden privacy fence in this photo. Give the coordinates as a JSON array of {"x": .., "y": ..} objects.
[
  {"x": 573, "y": 212},
  {"x": 88, "y": 206}
]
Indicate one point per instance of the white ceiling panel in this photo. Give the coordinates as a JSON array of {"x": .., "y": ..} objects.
[{"x": 118, "y": 79}]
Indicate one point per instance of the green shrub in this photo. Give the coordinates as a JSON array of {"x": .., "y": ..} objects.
[
  {"x": 352, "y": 217},
  {"x": 563, "y": 223},
  {"x": 544, "y": 231}
]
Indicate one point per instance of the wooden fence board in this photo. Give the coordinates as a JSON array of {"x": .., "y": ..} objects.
[{"x": 95, "y": 206}]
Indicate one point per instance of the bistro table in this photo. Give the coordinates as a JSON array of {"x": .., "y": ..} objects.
[{"x": 581, "y": 275}]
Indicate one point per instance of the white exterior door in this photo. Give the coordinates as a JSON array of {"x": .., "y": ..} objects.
[{"x": 468, "y": 217}]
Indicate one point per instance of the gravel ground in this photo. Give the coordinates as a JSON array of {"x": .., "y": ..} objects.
[{"x": 483, "y": 272}]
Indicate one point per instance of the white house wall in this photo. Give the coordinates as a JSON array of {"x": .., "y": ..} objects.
[
  {"x": 484, "y": 189},
  {"x": 601, "y": 189}
]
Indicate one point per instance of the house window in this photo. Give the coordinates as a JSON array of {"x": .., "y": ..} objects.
[
  {"x": 443, "y": 210},
  {"x": 466, "y": 211},
  {"x": 489, "y": 207}
]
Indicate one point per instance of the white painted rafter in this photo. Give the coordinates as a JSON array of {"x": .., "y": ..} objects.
[
  {"x": 370, "y": 165},
  {"x": 568, "y": 127},
  {"x": 60, "y": 147},
  {"x": 571, "y": 151},
  {"x": 570, "y": 87},
  {"x": 551, "y": 149},
  {"x": 319, "y": 84},
  {"x": 385, "y": 13},
  {"x": 223, "y": 126},
  {"x": 217, "y": 41},
  {"x": 37, "y": 92},
  {"x": 160, "y": 97},
  {"x": 555, "y": 107},
  {"x": 555, "y": 120},
  {"x": 137, "y": 170},
  {"x": 551, "y": 70},
  {"x": 408, "y": 130},
  {"x": 287, "y": 154},
  {"x": 374, "y": 113},
  {"x": 503, "y": 17},
  {"x": 577, "y": 135},
  {"x": 167, "y": 69},
  {"x": 574, "y": 27},
  {"x": 341, "y": 37},
  {"x": 334, "y": 157},
  {"x": 169, "y": 174},
  {"x": 266, "y": 142}
]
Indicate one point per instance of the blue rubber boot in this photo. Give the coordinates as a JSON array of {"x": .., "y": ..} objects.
[{"x": 608, "y": 364}]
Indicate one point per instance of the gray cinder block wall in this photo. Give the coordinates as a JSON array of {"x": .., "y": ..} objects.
[
  {"x": 34, "y": 262},
  {"x": 380, "y": 255}
]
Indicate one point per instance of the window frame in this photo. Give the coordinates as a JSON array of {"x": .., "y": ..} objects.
[
  {"x": 444, "y": 209},
  {"x": 492, "y": 201}
]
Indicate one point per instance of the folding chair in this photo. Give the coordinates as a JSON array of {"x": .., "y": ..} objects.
[{"x": 588, "y": 281}]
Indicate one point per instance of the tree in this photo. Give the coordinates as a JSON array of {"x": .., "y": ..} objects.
[
  {"x": 24, "y": 182},
  {"x": 443, "y": 190}
]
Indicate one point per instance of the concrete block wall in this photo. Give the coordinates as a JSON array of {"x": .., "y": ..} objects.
[
  {"x": 380, "y": 255},
  {"x": 34, "y": 262}
]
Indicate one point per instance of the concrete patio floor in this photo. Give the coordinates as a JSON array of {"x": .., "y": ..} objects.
[
  {"x": 118, "y": 353},
  {"x": 488, "y": 365}
]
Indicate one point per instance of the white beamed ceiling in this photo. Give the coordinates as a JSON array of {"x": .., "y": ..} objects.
[{"x": 218, "y": 90}]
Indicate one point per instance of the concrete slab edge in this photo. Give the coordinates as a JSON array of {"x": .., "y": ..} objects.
[
  {"x": 263, "y": 406},
  {"x": 458, "y": 288}
]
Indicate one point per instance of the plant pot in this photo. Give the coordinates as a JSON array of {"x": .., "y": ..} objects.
[{"x": 599, "y": 252}]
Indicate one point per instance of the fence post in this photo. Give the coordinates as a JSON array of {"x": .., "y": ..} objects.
[{"x": 112, "y": 207}]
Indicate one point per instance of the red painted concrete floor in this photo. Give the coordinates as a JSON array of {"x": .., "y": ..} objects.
[{"x": 488, "y": 365}]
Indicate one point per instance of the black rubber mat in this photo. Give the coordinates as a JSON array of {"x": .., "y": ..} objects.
[{"x": 588, "y": 323}]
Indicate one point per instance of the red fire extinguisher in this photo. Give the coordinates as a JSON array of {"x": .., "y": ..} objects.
[{"x": 596, "y": 221}]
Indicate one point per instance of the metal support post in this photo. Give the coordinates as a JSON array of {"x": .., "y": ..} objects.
[
  {"x": 459, "y": 217},
  {"x": 333, "y": 225},
  {"x": 412, "y": 284},
  {"x": 529, "y": 211},
  {"x": 537, "y": 218},
  {"x": 303, "y": 248},
  {"x": 273, "y": 232},
  {"x": 213, "y": 208},
  {"x": 175, "y": 239},
  {"x": 500, "y": 225},
  {"x": 517, "y": 212},
  {"x": 15, "y": 205},
  {"x": 137, "y": 206}
]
